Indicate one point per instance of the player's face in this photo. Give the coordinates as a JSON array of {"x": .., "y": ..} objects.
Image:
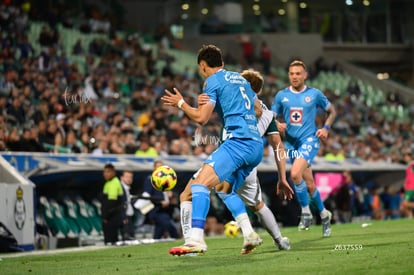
[
  {"x": 127, "y": 178},
  {"x": 297, "y": 76},
  {"x": 108, "y": 174}
]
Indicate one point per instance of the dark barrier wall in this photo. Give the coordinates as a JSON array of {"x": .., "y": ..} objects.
[{"x": 56, "y": 176}]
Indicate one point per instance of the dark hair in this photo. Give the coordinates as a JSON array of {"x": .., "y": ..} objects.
[
  {"x": 211, "y": 55},
  {"x": 109, "y": 166}
]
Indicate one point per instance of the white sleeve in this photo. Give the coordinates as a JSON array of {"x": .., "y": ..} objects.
[{"x": 264, "y": 121}]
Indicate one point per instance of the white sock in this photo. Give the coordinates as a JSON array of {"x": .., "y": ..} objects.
[
  {"x": 196, "y": 234},
  {"x": 268, "y": 221},
  {"x": 324, "y": 213},
  {"x": 186, "y": 209},
  {"x": 244, "y": 223},
  {"x": 306, "y": 210}
]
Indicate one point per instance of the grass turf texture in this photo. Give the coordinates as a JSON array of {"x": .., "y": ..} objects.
[{"x": 384, "y": 247}]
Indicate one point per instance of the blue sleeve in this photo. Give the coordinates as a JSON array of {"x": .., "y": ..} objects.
[
  {"x": 276, "y": 106},
  {"x": 211, "y": 88},
  {"x": 323, "y": 101}
]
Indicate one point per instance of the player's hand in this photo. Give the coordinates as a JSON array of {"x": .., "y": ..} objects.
[
  {"x": 281, "y": 127},
  {"x": 171, "y": 99},
  {"x": 203, "y": 99},
  {"x": 284, "y": 190},
  {"x": 322, "y": 133}
]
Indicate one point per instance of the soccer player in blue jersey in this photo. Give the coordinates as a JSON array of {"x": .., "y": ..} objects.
[
  {"x": 250, "y": 192},
  {"x": 233, "y": 99},
  {"x": 298, "y": 105}
]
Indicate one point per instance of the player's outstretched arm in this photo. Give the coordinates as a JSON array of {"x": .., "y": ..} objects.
[
  {"x": 201, "y": 114},
  {"x": 282, "y": 188}
]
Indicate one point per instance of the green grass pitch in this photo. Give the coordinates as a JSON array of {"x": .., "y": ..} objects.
[{"x": 383, "y": 247}]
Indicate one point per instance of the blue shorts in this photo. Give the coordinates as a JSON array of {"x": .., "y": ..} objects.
[
  {"x": 235, "y": 159},
  {"x": 306, "y": 150}
]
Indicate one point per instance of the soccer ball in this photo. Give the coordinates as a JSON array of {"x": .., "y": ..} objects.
[
  {"x": 163, "y": 178},
  {"x": 231, "y": 229}
]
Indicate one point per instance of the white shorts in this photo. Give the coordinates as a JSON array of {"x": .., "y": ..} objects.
[{"x": 250, "y": 191}]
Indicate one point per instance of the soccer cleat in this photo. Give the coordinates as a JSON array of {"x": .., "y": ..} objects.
[
  {"x": 305, "y": 221},
  {"x": 189, "y": 249},
  {"x": 250, "y": 243},
  {"x": 326, "y": 225},
  {"x": 283, "y": 243}
]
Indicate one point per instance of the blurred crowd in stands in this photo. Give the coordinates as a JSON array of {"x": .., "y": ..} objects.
[{"x": 49, "y": 104}]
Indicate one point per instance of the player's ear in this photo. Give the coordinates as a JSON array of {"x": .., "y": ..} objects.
[{"x": 202, "y": 67}]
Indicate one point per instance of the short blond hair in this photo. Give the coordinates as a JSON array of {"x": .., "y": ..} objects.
[
  {"x": 297, "y": 63},
  {"x": 255, "y": 79}
]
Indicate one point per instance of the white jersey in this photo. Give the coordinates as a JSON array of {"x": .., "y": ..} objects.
[
  {"x": 250, "y": 192},
  {"x": 264, "y": 121}
]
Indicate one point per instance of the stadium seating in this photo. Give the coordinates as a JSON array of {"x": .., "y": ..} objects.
[
  {"x": 73, "y": 213},
  {"x": 87, "y": 211},
  {"x": 370, "y": 96},
  {"x": 54, "y": 216}
]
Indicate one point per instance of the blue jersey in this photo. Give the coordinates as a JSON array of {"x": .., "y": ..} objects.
[
  {"x": 299, "y": 111},
  {"x": 233, "y": 99}
]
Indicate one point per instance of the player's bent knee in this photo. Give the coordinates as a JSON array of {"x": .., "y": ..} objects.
[
  {"x": 207, "y": 177},
  {"x": 296, "y": 176},
  {"x": 257, "y": 207},
  {"x": 185, "y": 196},
  {"x": 224, "y": 187}
]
